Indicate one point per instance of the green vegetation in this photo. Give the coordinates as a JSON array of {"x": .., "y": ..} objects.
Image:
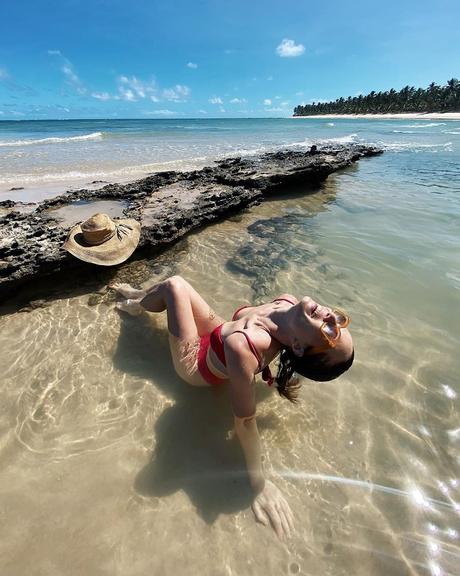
[{"x": 434, "y": 99}]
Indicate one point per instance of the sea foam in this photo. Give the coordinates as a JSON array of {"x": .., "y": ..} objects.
[
  {"x": 414, "y": 146},
  {"x": 429, "y": 125},
  {"x": 54, "y": 140}
]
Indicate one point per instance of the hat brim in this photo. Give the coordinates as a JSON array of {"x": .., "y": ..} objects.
[{"x": 115, "y": 251}]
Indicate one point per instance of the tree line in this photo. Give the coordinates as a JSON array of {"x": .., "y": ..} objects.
[{"x": 435, "y": 98}]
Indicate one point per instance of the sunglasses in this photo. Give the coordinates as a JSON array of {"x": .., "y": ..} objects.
[{"x": 330, "y": 333}]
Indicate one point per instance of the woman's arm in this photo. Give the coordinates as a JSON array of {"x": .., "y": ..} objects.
[
  {"x": 269, "y": 505},
  {"x": 248, "y": 435}
]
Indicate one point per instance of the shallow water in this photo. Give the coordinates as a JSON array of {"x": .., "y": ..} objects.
[
  {"x": 80, "y": 210},
  {"x": 110, "y": 464}
]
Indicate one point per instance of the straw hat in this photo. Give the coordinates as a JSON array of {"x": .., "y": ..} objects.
[{"x": 102, "y": 241}]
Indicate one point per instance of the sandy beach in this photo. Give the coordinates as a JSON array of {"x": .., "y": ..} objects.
[{"x": 408, "y": 116}]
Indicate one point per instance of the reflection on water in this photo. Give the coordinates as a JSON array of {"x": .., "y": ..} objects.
[
  {"x": 111, "y": 464},
  {"x": 80, "y": 210}
]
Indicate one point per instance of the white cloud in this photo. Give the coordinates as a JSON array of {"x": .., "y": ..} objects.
[
  {"x": 161, "y": 112},
  {"x": 177, "y": 94},
  {"x": 215, "y": 100},
  {"x": 127, "y": 94},
  {"x": 132, "y": 89},
  {"x": 129, "y": 88},
  {"x": 101, "y": 96},
  {"x": 222, "y": 110},
  {"x": 299, "y": 93},
  {"x": 192, "y": 65},
  {"x": 67, "y": 68},
  {"x": 276, "y": 109},
  {"x": 289, "y": 49},
  {"x": 1, "y": 112},
  {"x": 267, "y": 102},
  {"x": 270, "y": 78},
  {"x": 73, "y": 79},
  {"x": 202, "y": 111},
  {"x": 238, "y": 101}
]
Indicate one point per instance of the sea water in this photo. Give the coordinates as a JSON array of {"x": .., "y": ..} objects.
[{"x": 110, "y": 464}]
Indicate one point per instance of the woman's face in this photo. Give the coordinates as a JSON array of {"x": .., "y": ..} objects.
[{"x": 309, "y": 318}]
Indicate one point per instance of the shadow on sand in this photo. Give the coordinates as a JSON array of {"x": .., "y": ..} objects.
[{"x": 195, "y": 450}]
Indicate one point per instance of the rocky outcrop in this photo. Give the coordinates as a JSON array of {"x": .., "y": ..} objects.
[{"x": 168, "y": 204}]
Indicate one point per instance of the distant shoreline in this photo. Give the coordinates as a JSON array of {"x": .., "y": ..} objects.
[{"x": 403, "y": 116}]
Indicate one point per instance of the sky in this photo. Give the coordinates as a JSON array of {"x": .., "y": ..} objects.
[{"x": 215, "y": 58}]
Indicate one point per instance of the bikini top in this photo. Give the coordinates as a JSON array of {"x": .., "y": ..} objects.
[{"x": 217, "y": 344}]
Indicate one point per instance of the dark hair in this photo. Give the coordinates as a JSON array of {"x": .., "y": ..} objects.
[{"x": 312, "y": 366}]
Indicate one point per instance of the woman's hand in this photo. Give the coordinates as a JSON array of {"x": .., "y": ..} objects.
[{"x": 270, "y": 507}]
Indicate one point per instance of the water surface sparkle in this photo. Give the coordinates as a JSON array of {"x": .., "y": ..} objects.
[{"x": 110, "y": 464}]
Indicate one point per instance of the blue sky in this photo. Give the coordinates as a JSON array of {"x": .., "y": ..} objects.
[{"x": 206, "y": 59}]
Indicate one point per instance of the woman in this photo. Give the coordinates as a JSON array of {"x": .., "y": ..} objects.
[{"x": 207, "y": 351}]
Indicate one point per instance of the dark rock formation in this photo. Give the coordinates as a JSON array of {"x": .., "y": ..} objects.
[{"x": 168, "y": 204}]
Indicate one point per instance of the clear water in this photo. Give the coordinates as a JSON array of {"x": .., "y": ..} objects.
[
  {"x": 110, "y": 464},
  {"x": 75, "y": 152}
]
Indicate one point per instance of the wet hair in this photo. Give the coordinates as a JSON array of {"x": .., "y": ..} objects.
[{"x": 314, "y": 367}]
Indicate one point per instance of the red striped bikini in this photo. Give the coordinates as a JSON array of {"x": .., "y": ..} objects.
[{"x": 214, "y": 340}]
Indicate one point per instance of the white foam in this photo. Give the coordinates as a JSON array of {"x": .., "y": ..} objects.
[
  {"x": 350, "y": 139},
  {"x": 403, "y": 132},
  {"x": 54, "y": 140},
  {"x": 414, "y": 146},
  {"x": 451, "y": 132},
  {"x": 307, "y": 143},
  {"x": 429, "y": 125},
  {"x": 74, "y": 177}
]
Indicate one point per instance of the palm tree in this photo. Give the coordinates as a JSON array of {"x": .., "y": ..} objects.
[{"x": 409, "y": 99}]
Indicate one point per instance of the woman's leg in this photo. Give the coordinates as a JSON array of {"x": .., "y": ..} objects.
[
  {"x": 189, "y": 317},
  {"x": 127, "y": 291},
  {"x": 186, "y": 308}
]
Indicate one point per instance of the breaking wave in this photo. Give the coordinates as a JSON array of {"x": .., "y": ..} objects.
[
  {"x": 349, "y": 139},
  {"x": 54, "y": 140},
  {"x": 429, "y": 125},
  {"x": 414, "y": 146}
]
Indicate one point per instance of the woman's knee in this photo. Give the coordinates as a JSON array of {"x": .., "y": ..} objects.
[{"x": 175, "y": 285}]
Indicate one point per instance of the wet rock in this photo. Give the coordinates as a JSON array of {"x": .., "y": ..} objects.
[
  {"x": 95, "y": 299},
  {"x": 35, "y": 304},
  {"x": 168, "y": 204}
]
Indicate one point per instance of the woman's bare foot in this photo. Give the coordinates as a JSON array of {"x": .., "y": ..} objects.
[
  {"x": 127, "y": 291},
  {"x": 130, "y": 306}
]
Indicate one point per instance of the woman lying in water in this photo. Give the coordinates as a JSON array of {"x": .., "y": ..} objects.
[{"x": 312, "y": 340}]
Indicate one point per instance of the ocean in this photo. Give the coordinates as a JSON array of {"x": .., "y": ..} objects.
[
  {"x": 76, "y": 152},
  {"x": 110, "y": 464}
]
